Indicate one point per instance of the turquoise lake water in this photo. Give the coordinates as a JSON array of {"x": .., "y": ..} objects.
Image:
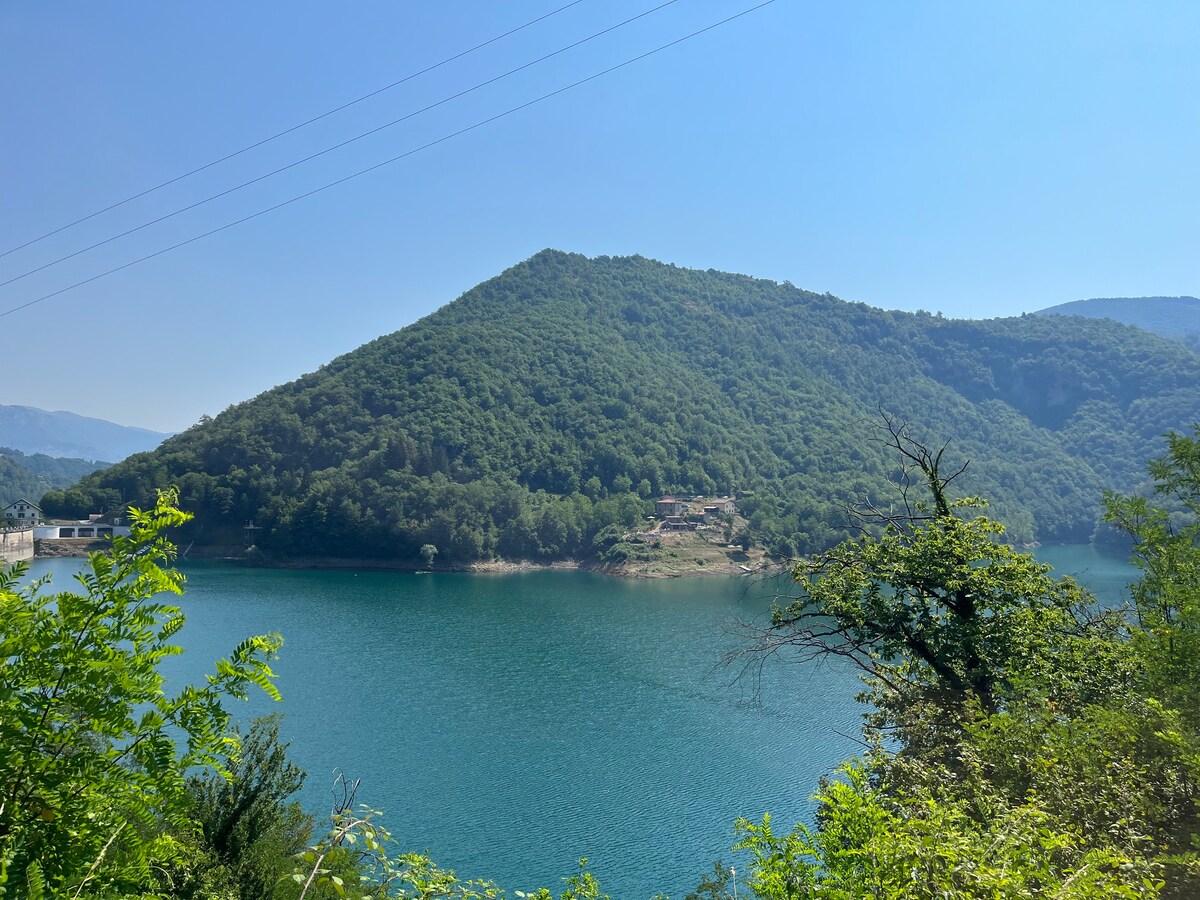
[{"x": 510, "y": 724}]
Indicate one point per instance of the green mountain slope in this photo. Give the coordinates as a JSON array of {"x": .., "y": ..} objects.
[
  {"x": 1177, "y": 318},
  {"x": 30, "y": 476},
  {"x": 533, "y": 417}
]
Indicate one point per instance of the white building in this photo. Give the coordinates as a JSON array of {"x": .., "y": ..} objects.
[
  {"x": 22, "y": 512},
  {"x": 91, "y": 530}
]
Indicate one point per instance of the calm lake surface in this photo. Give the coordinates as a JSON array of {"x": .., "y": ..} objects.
[{"x": 510, "y": 724}]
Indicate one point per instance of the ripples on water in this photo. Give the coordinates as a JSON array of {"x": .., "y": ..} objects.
[{"x": 511, "y": 724}]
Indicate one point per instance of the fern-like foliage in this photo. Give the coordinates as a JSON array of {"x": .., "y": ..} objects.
[{"x": 92, "y": 769}]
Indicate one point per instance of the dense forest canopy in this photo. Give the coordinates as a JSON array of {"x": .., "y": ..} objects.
[
  {"x": 536, "y": 415},
  {"x": 31, "y": 475}
]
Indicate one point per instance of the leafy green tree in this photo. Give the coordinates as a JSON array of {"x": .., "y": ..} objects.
[
  {"x": 1166, "y": 536},
  {"x": 870, "y": 844},
  {"x": 929, "y": 603},
  {"x": 1020, "y": 742},
  {"x": 744, "y": 539},
  {"x": 95, "y": 751},
  {"x": 244, "y": 814},
  {"x": 1165, "y": 636},
  {"x": 720, "y": 884}
]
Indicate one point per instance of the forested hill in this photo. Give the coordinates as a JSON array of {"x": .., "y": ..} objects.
[
  {"x": 1177, "y": 318},
  {"x": 533, "y": 416},
  {"x": 30, "y": 476}
]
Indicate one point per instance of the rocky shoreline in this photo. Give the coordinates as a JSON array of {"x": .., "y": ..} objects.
[
  {"x": 755, "y": 563},
  {"x": 56, "y": 548}
]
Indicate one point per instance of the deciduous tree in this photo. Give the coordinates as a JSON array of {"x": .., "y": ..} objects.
[{"x": 95, "y": 751}]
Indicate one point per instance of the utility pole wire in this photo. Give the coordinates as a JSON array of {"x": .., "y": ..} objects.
[
  {"x": 287, "y": 131},
  {"x": 394, "y": 159},
  {"x": 337, "y": 146}
]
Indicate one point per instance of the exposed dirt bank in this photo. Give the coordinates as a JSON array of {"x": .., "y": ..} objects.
[{"x": 51, "y": 548}]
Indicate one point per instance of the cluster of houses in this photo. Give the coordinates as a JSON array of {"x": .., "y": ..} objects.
[
  {"x": 24, "y": 514},
  {"x": 678, "y": 514}
]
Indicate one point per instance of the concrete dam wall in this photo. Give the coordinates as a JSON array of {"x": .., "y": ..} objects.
[{"x": 16, "y": 544}]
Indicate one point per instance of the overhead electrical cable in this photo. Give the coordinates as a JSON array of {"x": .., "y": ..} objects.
[
  {"x": 394, "y": 159},
  {"x": 340, "y": 144},
  {"x": 287, "y": 131}
]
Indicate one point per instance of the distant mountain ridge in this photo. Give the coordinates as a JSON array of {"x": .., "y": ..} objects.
[
  {"x": 66, "y": 434},
  {"x": 538, "y": 415},
  {"x": 1176, "y": 318}
]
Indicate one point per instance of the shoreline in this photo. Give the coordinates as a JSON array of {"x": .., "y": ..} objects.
[{"x": 756, "y": 565}]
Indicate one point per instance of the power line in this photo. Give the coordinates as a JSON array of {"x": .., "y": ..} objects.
[
  {"x": 394, "y": 159},
  {"x": 339, "y": 145},
  {"x": 286, "y": 131}
]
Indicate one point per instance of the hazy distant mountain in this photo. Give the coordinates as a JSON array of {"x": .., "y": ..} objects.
[
  {"x": 1176, "y": 318},
  {"x": 66, "y": 434},
  {"x": 539, "y": 414}
]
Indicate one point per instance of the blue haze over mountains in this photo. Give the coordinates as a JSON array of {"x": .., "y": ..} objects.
[
  {"x": 68, "y": 434},
  {"x": 1175, "y": 318}
]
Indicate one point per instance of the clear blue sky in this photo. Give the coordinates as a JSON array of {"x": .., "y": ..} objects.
[{"x": 977, "y": 159}]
